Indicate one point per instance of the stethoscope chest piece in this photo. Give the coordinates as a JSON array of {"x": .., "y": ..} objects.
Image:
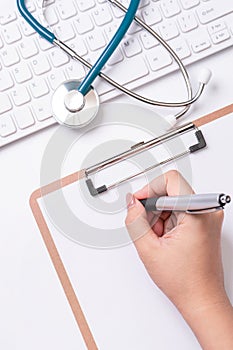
[{"x": 71, "y": 108}]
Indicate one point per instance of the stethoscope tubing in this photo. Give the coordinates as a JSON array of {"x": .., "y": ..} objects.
[
  {"x": 77, "y": 57},
  {"x": 111, "y": 47},
  {"x": 95, "y": 69},
  {"x": 177, "y": 60},
  {"x": 41, "y": 30},
  {"x": 107, "y": 53}
]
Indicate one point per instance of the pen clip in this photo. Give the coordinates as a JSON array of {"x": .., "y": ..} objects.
[{"x": 206, "y": 210}]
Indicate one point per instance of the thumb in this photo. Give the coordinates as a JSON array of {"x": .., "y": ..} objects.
[{"x": 139, "y": 228}]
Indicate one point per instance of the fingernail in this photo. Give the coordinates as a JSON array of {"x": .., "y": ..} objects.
[{"x": 130, "y": 200}]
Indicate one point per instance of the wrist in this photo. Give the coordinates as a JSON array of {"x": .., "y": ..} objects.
[
  {"x": 198, "y": 310},
  {"x": 199, "y": 299},
  {"x": 212, "y": 324}
]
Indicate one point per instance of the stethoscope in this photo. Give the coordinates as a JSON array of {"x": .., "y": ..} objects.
[{"x": 75, "y": 103}]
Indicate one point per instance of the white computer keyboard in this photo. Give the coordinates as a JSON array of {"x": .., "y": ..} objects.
[{"x": 30, "y": 68}]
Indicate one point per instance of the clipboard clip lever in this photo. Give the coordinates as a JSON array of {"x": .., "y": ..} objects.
[{"x": 139, "y": 148}]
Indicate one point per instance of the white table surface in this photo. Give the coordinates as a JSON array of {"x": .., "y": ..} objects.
[{"x": 33, "y": 309}]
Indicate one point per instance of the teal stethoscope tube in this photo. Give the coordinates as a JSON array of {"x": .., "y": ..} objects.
[
  {"x": 107, "y": 53},
  {"x": 96, "y": 69},
  {"x": 42, "y": 31}
]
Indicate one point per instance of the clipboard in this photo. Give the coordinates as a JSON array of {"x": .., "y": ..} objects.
[{"x": 56, "y": 259}]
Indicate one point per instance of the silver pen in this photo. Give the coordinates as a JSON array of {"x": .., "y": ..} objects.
[{"x": 193, "y": 203}]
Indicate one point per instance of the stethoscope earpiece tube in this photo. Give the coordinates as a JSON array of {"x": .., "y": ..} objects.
[{"x": 42, "y": 31}]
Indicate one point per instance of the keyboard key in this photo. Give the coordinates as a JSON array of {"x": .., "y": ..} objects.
[
  {"x": 28, "y": 48},
  {"x": 200, "y": 43},
  {"x": 85, "y": 5},
  {"x": 216, "y": 27},
  {"x": 26, "y": 28},
  {"x": 79, "y": 47},
  {"x": 116, "y": 57},
  {"x": 22, "y": 73},
  {"x": 96, "y": 41},
  {"x": 5, "y": 104},
  {"x": 24, "y": 118},
  {"x": 117, "y": 12},
  {"x": 221, "y": 36},
  {"x": 31, "y": 6},
  {"x": 56, "y": 78},
  {"x": 148, "y": 41},
  {"x": 129, "y": 74},
  {"x": 83, "y": 24},
  {"x": 41, "y": 4},
  {"x": 75, "y": 71},
  {"x": 144, "y": 3},
  {"x": 152, "y": 15},
  {"x": 158, "y": 59},
  {"x": 42, "y": 109},
  {"x": 7, "y": 17},
  {"x": 11, "y": 33},
  {"x": 66, "y": 9},
  {"x": 50, "y": 16},
  {"x": 188, "y": 4},
  {"x": 7, "y": 126},
  {"x": 111, "y": 29},
  {"x": 170, "y": 8},
  {"x": 134, "y": 28},
  {"x": 102, "y": 16},
  {"x": 42, "y": 20},
  {"x": 187, "y": 22},
  {"x": 44, "y": 44},
  {"x": 20, "y": 96},
  {"x": 92, "y": 57},
  {"x": 169, "y": 30},
  {"x": 59, "y": 58},
  {"x": 39, "y": 88},
  {"x": 10, "y": 56},
  {"x": 214, "y": 10},
  {"x": 40, "y": 65},
  {"x": 181, "y": 48},
  {"x": 65, "y": 32},
  {"x": 131, "y": 47},
  {"x": 6, "y": 81}
]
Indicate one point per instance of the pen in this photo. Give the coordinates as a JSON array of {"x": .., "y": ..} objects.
[{"x": 194, "y": 203}]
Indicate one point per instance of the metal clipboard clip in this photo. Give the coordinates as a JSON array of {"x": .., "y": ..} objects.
[{"x": 141, "y": 147}]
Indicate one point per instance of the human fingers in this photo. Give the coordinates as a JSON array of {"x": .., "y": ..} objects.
[
  {"x": 139, "y": 228},
  {"x": 171, "y": 183}
]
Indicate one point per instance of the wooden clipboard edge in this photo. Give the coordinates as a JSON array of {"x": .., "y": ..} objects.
[
  {"x": 50, "y": 245},
  {"x": 55, "y": 257},
  {"x": 213, "y": 116}
]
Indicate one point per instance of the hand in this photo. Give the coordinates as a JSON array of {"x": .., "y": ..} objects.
[
  {"x": 183, "y": 260},
  {"x": 181, "y": 252}
]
